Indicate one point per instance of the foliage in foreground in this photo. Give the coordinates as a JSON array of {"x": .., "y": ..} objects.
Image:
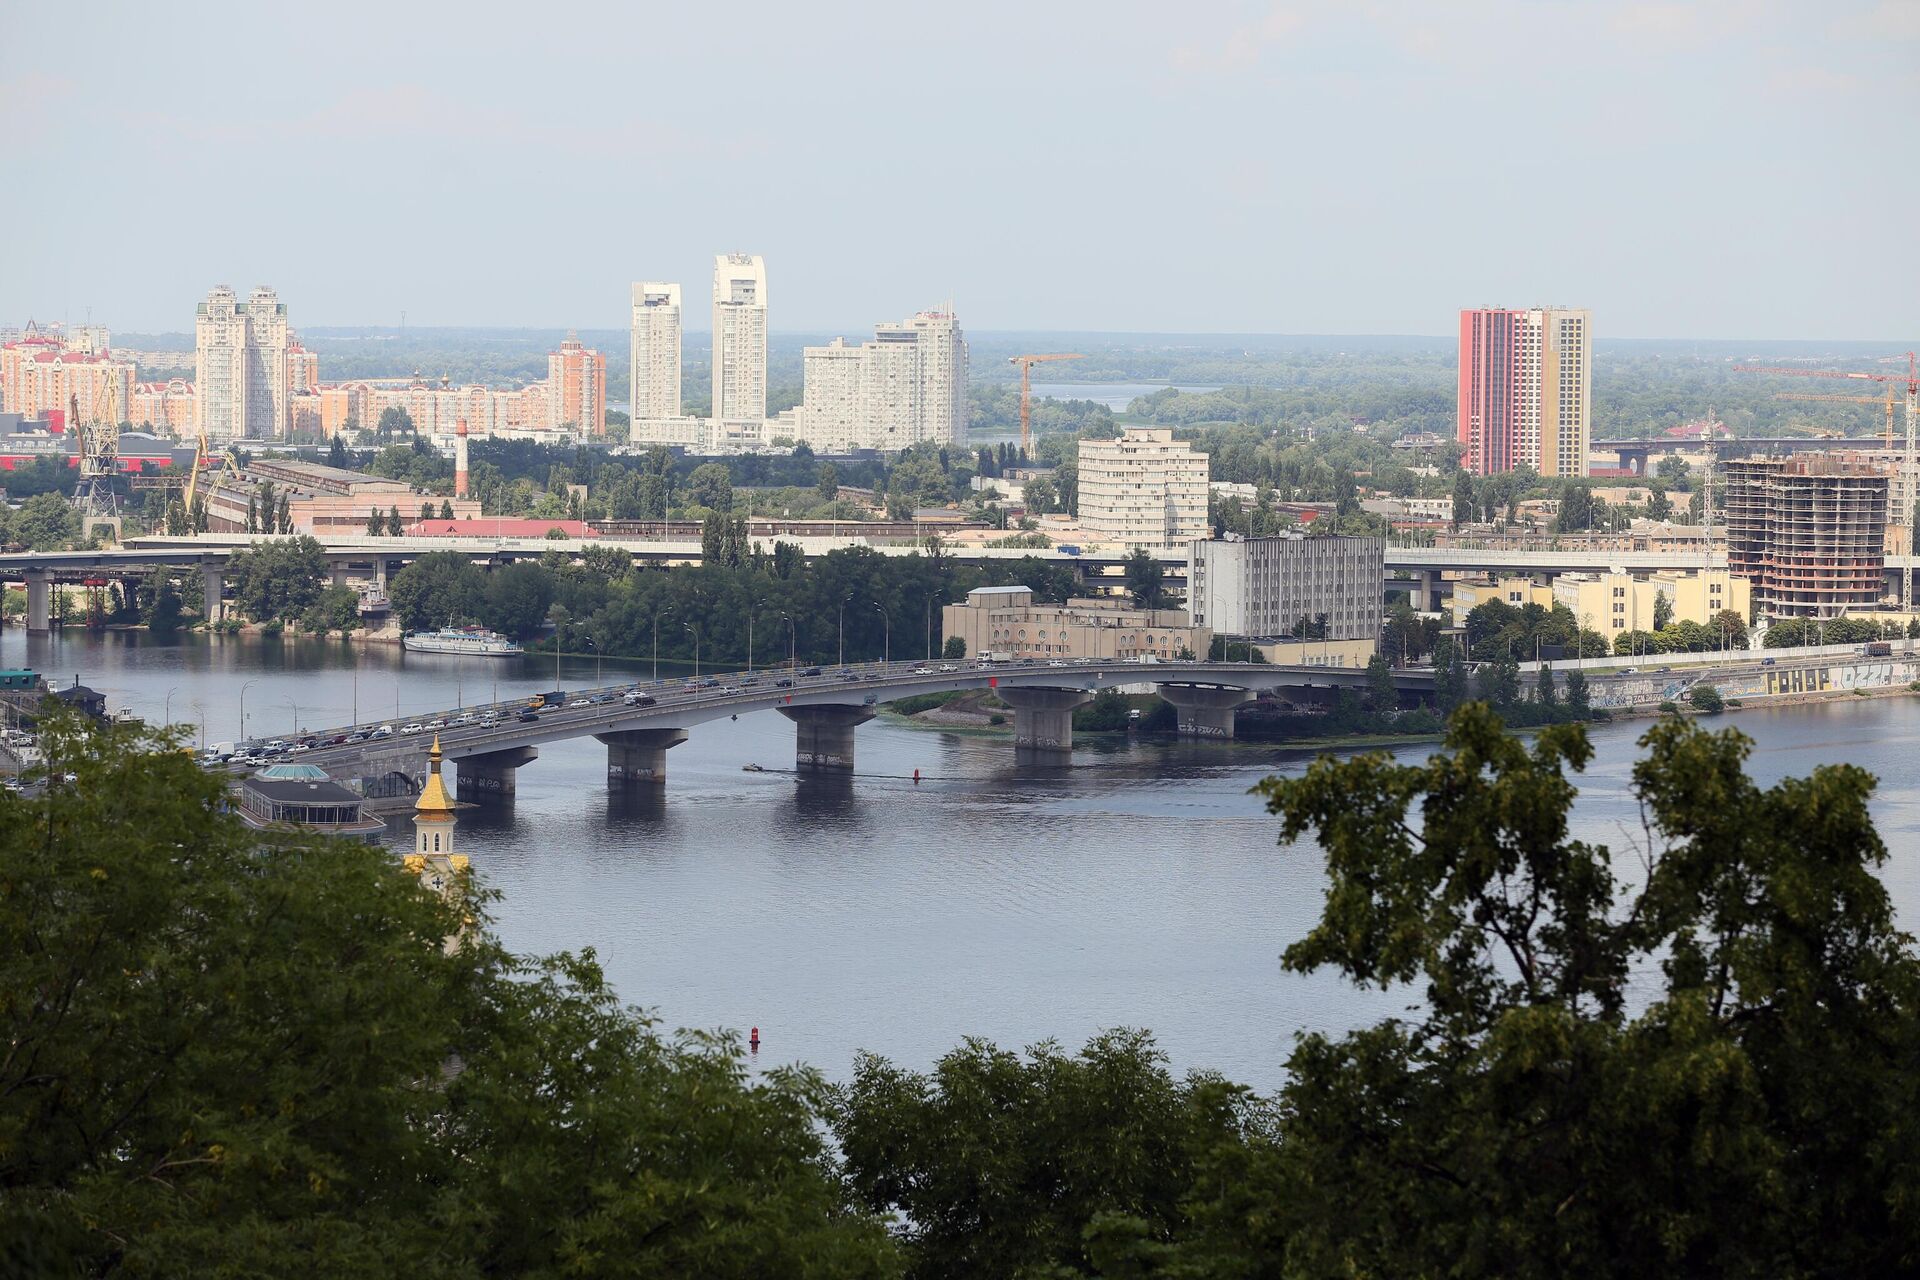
[{"x": 223, "y": 1059}]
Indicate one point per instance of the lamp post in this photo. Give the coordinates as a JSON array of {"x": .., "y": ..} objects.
[
  {"x": 749, "y": 639},
  {"x": 243, "y": 707},
  {"x": 599, "y": 663},
  {"x": 929, "y": 621},
  {"x": 656, "y": 644},
  {"x": 166, "y": 715},
  {"x": 843, "y": 633},
  {"x": 791, "y": 661},
  {"x": 295, "y": 707},
  {"x": 696, "y": 647},
  {"x": 886, "y": 634}
]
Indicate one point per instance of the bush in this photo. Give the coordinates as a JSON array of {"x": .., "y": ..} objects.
[
  {"x": 1705, "y": 697},
  {"x": 996, "y": 719},
  {"x": 1671, "y": 708}
]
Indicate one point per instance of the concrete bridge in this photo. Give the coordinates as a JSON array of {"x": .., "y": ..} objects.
[{"x": 825, "y": 709}]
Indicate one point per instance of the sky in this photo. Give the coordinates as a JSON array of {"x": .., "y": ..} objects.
[{"x": 1709, "y": 170}]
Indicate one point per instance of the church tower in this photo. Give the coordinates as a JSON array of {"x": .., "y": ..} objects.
[{"x": 434, "y": 818}]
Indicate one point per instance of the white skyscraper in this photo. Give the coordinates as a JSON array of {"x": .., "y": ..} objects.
[
  {"x": 656, "y": 350},
  {"x": 240, "y": 365},
  {"x": 905, "y": 387},
  {"x": 739, "y": 338}
]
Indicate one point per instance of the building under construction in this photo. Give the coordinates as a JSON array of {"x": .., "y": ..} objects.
[{"x": 1809, "y": 531}]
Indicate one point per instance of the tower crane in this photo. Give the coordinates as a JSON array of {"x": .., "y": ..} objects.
[
  {"x": 1026, "y": 364},
  {"x": 1886, "y": 400},
  {"x": 1909, "y": 462}
]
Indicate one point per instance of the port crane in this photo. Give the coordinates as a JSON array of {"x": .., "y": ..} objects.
[
  {"x": 1026, "y": 364},
  {"x": 1909, "y": 462},
  {"x": 1887, "y": 400},
  {"x": 99, "y": 443}
]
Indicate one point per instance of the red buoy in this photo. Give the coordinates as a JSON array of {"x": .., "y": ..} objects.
[
  {"x": 916, "y": 775},
  {"x": 753, "y": 1040}
]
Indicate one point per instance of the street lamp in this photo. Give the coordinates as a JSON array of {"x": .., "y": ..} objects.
[
  {"x": 167, "y": 714},
  {"x": 656, "y": 644},
  {"x": 696, "y": 647},
  {"x": 243, "y": 707},
  {"x": 886, "y": 636},
  {"x": 295, "y": 707},
  {"x": 843, "y": 633},
  {"x": 792, "y": 663},
  {"x": 929, "y": 621},
  {"x": 749, "y": 639},
  {"x": 598, "y": 661}
]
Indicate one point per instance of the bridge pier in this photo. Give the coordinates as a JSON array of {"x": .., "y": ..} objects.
[
  {"x": 213, "y": 591},
  {"x": 638, "y": 757},
  {"x": 823, "y": 735},
  {"x": 493, "y": 774},
  {"x": 1043, "y": 722},
  {"x": 1205, "y": 711},
  {"x": 39, "y": 616}
]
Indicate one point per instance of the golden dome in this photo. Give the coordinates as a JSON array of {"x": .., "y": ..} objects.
[{"x": 434, "y": 805}]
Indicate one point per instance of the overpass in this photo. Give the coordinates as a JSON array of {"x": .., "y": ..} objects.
[
  {"x": 489, "y": 743},
  {"x": 1635, "y": 454}
]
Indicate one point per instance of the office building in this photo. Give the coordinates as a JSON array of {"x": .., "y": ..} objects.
[
  {"x": 656, "y": 351},
  {"x": 576, "y": 388},
  {"x": 1010, "y": 622},
  {"x": 321, "y": 500},
  {"x": 1809, "y": 532},
  {"x": 739, "y": 337},
  {"x": 240, "y": 365},
  {"x": 1143, "y": 489},
  {"x": 1611, "y": 603},
  {"x": 1525, "y": 390},
  {"x": 1262, "y": 587}
]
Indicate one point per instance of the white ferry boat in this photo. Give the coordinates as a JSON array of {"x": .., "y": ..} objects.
[{"x": 470, "y": 641}]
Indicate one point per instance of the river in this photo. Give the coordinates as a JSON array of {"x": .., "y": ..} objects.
[{"x": 1141, "y": 887}]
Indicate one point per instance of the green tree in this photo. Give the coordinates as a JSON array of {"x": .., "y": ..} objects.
[
  {"x": 1662, "y": 611},
  {"x": 160, "y": 604},
  {"x": 1659, "y": 506},
  {"x": 1498, "y": 682},
  {"x": 336, "y": 609},
  {"x": 426, "y": 511},
  {"x": 436, "y": 590},
  {"x": 1144, "y": 578},
  {"x": 829, "y": 483},
  {"x": 955, "y": 647},
  {"x": 395, "y": 525},
  {"x": 1449, "y": 676},
  {"x": 1751, "y": 1111},
  {"x": 376, "y": 523},
  {"x": 711, "y": 486},
  {"x": 1462, "y": 499},
  {"x": 516, "y": 598},
  {"x": 446, "y": 509},
  {"x": 1579, "y": 696},
  {"x": 1578, "y": 510},
  {"x": 45, "y": 522},
  {"x": 241, "y": 1053},
  {"x": 1704, "y": 697},
  {"x": 337, "y": 452},
  {"x": 999, "y": 1164},
  {"x": 394, "y": 421},
  {"x": 277, "y": 581},
  {"x": 1383, "y": 697},
  {"x": 1543, "y": 687}
]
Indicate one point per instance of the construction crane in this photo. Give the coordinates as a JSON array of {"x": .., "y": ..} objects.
[
  {"x": 1909, "y": 458},
  {"x": 99, "y": 444},
  {"x": 1886, "y": 400},
  {"x": 1026, "y": 364}
]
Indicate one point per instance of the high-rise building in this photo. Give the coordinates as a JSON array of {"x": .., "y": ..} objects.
[
  {"x": 1808, "y": 531},
  {"x": 739, "y": 337},
  {"x": 656, "y": 350},
  {"x": 1264, "y": 587},
  {"x": 577, "y": 387},
  {"x": 240, "y": 365},
  {"x": 41, "y": 376},
  {"x": 1143, "y": 489},
  {"x": 905, "y": 387},
  {"x": 1525, "y": 388}
]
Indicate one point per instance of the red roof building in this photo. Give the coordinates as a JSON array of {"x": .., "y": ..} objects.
[{"x": 498, "y": 527}]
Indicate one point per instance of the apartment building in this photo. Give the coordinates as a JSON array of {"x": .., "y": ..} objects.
[
  {"x": 1008, "y": 620},
  {"x": 739, "y": 337},
  {"x": 41, "y": 376},
  {"x": 655, "y": 350},
  {"x": 240, "y": 365},
  {"x": 1143, "y": 489},
  {"x": 576, "y": 388},
  {"x": 1261, "y": 587},
  {"x": 1809, "y": 532},
  {"x": 164, "y": 406},
  {"x": 1525, "y": 390}
]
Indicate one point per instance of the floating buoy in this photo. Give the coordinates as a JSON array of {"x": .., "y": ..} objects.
[
  {"x": 916, "y": 775},
  {"x": 753, "y": 1040}
]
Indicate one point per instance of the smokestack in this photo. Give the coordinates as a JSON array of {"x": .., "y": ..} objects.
[{"x": 460, "y": 458}]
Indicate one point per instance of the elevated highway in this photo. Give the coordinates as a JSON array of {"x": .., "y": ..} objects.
[{"x": 489, "y": 743}]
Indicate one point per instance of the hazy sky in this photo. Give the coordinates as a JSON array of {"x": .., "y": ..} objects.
[{"x": 1690, "y": 170}]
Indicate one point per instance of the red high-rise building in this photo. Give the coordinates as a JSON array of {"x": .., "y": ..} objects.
[{"x": 1525, "y": 390}]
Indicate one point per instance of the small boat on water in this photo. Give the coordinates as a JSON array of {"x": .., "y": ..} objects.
[{"x": 477, "y": 642}]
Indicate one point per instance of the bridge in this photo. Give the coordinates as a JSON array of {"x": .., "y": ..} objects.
[
  {"x": 490, "y": 743},
  {"x": 1635, "y": 454}
]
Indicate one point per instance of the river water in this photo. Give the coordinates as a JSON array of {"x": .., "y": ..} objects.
[{"x": 1141, "y": 887}]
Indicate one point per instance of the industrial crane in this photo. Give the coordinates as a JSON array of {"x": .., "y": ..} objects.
[
  {"x": 1886, "y": 400},
  {"x": 1026, "y": 364},
  {"x": 1909, "y": 463}
]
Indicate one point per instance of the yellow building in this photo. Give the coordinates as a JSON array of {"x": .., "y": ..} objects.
[
  {"x": 1318, "y": 653},
  {"x": 1611, "y": 603},
  {"x": 1007, "y": 620},
  {"x": 1517, "y": 590}
]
